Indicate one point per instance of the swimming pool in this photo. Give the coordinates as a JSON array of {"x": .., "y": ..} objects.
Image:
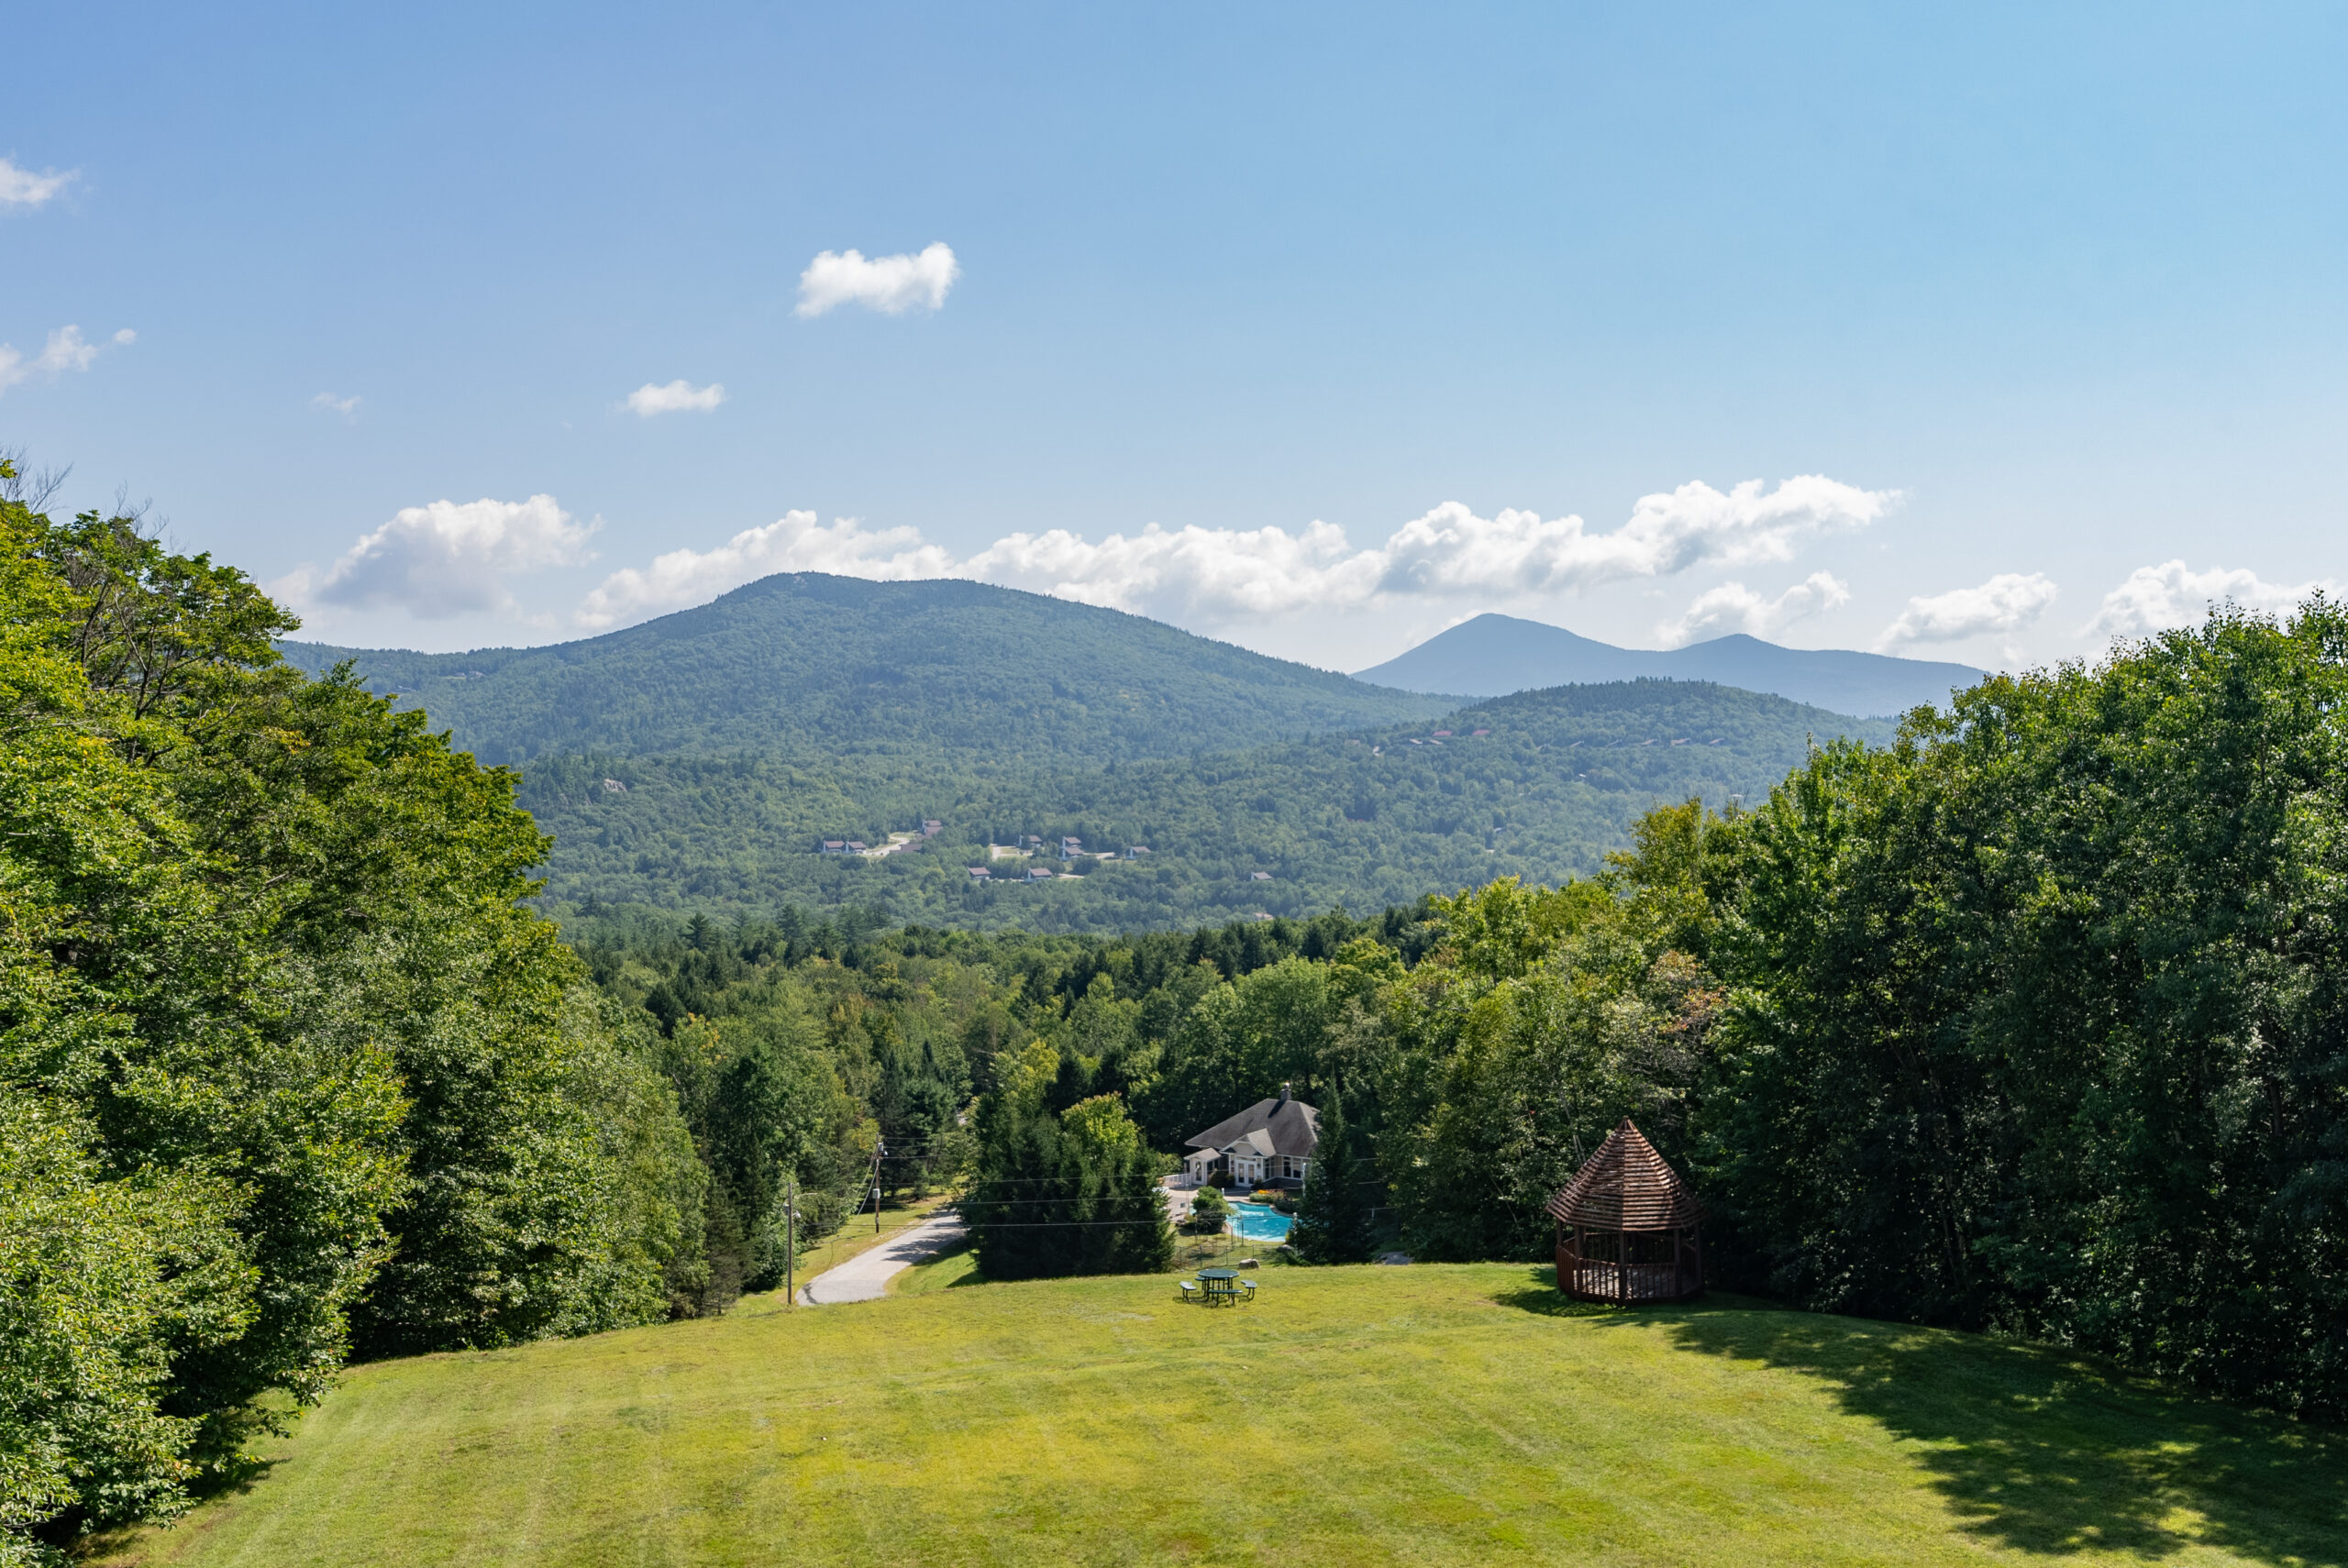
[{"x": 1259, "y": 1221}]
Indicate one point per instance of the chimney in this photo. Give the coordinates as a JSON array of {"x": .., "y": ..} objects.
[{"x": 1283, "y": 1096}]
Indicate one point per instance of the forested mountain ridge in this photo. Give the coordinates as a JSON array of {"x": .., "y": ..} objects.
[
  {"x": 1365, "y": 819},
  {"x": 1494, "y": 654},
  {"x": 808, "y": 664}
]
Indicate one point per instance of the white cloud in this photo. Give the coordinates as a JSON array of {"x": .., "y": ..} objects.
[
  {"x": 345, "y": 407},
  {"x": 1195, "y": 575},
  {"x": 22, "y": 188},
  {"x": 1218, "y": 573},
  {"x": 1733, "y": 607},
  {"x": 2155, "y": 598},
  {"x": 445, "y": 558},
  {"x": 679, "y": 396},
  {"x": 891, "y": 284},
  {"x": 793, "y": 543},
  {"x": 66, "y": 349},
  {"x": 2007, "y": 602}
]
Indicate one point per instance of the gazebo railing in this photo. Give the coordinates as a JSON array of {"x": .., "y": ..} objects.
[{"x": 1630, "y": 1266}]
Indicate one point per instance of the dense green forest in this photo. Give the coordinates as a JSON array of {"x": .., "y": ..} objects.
[
  {"x": 1362, "y": 819},
  {"x": 699, "y": 761},
  {"x": 804, "y": 664}
]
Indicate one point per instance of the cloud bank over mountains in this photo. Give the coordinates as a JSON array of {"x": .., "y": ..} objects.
[
  {"x": 2007, "y": 602},
  {"x": 1215, "y": 576},
  {"x": 1733, "y": 607},
  {"x": 450, "y": 559}
]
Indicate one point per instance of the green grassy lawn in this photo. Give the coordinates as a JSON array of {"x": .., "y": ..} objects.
[
  {"x": 1363, "y": 1416},
  {"x": 943, "y": 1272}
]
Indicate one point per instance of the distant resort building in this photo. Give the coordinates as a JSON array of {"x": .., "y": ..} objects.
[
  {"x": 1270, "y": 1143},
  {"x": 980, "y": 874}
]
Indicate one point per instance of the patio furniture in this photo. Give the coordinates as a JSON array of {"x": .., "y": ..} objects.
[
  {"x": 1189, "y": 1291},
  {"x": 1221, "y": 1284},
  {"x": 1249, "y": 1286}
]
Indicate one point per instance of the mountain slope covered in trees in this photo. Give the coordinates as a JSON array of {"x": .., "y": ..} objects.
[
  {"x": 1364, "y": 820},
  {"x": 700, "y": 761},
  {"x": 807, "y": 664}
]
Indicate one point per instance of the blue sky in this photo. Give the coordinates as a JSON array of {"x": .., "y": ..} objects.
[{"x": 2008, "y": 309}]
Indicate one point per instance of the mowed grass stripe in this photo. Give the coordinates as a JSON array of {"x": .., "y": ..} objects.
[{"x": 1363, "y": 1417}]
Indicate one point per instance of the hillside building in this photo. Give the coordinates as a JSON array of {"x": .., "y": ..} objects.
[{"x": 1270, "y": 1143}]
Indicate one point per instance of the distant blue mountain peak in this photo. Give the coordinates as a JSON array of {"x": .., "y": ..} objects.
[{"x": 1494, "y": 655}]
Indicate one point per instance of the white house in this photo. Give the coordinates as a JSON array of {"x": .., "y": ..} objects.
[{"x": 1270, "y": 1143}]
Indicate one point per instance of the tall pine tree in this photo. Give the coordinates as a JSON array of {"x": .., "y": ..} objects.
[{"x": 1333, "y": 1217}]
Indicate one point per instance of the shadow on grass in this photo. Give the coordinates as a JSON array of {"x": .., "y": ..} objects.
[
  {"x": 958, "y": 1248},
  {"x": 2042, "y": 1450},
  {"x": 232, "y": 1478}
]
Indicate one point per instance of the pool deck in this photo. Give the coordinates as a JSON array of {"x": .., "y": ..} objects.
[{"x": 1179, "y": 1192}]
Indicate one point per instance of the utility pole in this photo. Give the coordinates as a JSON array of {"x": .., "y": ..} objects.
[
  {"x": 877, "y": 1150},
  {"x": 791, "y": 1242}
]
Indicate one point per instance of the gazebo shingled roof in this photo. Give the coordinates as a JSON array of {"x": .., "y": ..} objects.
[{"x": 1626, "y": 1186}]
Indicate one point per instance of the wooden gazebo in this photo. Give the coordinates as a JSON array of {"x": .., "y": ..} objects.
[{"x": 1629, "y": 1229}]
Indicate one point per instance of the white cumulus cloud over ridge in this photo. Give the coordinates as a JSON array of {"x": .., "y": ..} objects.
[
  {"x": 66, "y": 349},
  {"x": 1733, "y": 607},
  {"x": 679, "y": 396},
  {"x": 447, "y": 558},
  {"x": 2007, "y": 602},
  {"x": 795, "y": 542},
  {"x": 22, "y": 188},
  {"x": 1197, "y": 575},
  {"x": 890, "y": 285},
  {"x": 2157, "y": 598}
]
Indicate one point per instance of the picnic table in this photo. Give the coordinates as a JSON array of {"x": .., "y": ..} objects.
[{"x": 1223, "y": 1285}]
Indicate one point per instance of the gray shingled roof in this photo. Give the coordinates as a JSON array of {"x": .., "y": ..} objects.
[{"x": 1289, "y": 1127}]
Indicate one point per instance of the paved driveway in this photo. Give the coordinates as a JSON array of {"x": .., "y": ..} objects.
[{"x": 865, "y": 1276}]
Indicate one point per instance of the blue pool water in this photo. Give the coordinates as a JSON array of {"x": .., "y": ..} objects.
[{"x": 1258, "y": 1222}]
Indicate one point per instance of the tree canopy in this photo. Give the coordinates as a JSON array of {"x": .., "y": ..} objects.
[{"x": 286, "y": 1069}]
